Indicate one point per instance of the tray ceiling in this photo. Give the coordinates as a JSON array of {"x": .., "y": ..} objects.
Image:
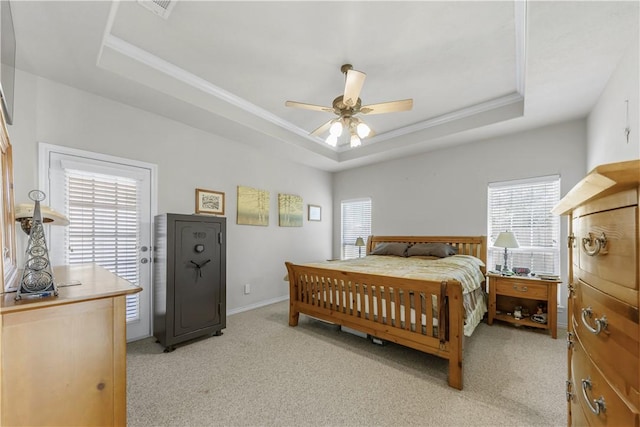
[{"x": 474, "y": 69}]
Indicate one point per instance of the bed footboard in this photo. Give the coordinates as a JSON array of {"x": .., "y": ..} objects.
[{"x": 424, "y": 315}]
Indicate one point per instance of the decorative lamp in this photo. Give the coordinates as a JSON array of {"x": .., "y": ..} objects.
[
  {"x": 359, "y": 244},
  {"x": 37, "y": 276},
  {"x": 506, "y": 240}
]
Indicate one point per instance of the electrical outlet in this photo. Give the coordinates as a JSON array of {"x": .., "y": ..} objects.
[{"x": 247, "y": 289}]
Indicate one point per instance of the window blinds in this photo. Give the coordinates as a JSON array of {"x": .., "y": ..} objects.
[
  {"x": 524, "y": 207},
  {"x": 103, "y": 216},
  {"x": 356, "y": 222}
]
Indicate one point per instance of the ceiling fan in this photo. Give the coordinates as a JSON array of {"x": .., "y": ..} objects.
[{"x": 347, "y": 105}]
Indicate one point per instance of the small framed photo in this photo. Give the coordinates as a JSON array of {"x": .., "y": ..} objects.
[
  {"x": 209, "y": 202},
  {"x": 315, "y": 213}
]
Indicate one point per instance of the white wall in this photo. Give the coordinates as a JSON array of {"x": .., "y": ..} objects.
[
  {"x": 187, "y": 158},
  {"x": 444, "y": 192},
  {"x": 607, "y": 142}
]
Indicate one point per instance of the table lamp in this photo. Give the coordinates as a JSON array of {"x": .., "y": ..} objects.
[
  {"x": 506, "y": 240},
  {"x": 359, "y": 244},
  {"x": 37, "y": 276}
]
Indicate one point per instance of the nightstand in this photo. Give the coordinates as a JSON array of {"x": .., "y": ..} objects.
[{"x": 507, "y": 292}]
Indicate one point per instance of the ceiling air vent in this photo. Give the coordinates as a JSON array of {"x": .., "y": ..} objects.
[{"x": 159, "y": 7}]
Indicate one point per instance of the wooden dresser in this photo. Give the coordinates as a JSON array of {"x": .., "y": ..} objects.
[
  {"x": 63, "y": 359},
  {"x": 603, "y": 385}
]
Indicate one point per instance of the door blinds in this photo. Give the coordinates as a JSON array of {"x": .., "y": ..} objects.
[{"x": 103, "y": 215}]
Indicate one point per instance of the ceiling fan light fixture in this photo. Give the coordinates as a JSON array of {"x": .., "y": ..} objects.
[
  {"x": 336, "y": 128},
  {"x": 363, "y": 130},
  {"x": 347, "y": 106},
  {"x": 355, "y": 141}
]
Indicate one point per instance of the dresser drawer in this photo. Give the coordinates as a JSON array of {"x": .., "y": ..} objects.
[
  {"x": 589, "y": 385},
  {"x": 531, "y": 289},
  {"x": 610, "y": 265},
  {"x": 578, "y": 417},
  {"x": 609, "y": 329}
]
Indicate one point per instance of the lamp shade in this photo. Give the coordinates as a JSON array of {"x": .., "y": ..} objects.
[
  {"x": 506, "y": 239},
  {"x": 49, "y": 215},
  {"x": 24, "y": 215},
  {"x": 359, "y": 241}
]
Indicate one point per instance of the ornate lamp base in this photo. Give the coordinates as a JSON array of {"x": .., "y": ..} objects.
[{"x": 37, "y": 276}]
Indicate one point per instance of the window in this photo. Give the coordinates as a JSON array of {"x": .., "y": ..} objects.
[
  {"x": 524, "y": 207},
  {"x": 356, "y": 222}
]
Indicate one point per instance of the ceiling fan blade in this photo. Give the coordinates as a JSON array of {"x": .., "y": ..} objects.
[
  {"x": 387, "y": 107},
  {"x": 313, "y": 107},
  {"x": 352, "y": 87},
  {"x": 322, "y": 128}
]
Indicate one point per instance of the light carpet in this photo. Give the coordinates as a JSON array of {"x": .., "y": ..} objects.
[{"x": 262, "y": 372}]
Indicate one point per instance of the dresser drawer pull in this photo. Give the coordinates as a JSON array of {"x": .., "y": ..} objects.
[
  {"x": 520, "y": 289},
  {"x": 599, "y": 403},
  {"x": 595, "y": 244},
  {"x": 601, "y": 323}
]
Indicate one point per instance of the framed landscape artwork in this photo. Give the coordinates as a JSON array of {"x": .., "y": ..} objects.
[
  {"x": 253, "y": 206},
  {"x": 290, "y": 210},
  {"x": 209, "y": 202}
]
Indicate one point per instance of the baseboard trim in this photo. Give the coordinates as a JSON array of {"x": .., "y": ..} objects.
[{"x": 257, "y": 305}]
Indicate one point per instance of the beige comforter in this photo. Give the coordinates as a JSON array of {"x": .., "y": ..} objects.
[{"x": 463, "y": 268}]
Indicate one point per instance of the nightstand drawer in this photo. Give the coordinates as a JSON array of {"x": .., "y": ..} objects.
[{"x": 520, "y": 288}]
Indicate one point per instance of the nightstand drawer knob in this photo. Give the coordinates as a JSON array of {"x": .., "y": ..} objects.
[
  {"x": 520, "y": 289},
  {"x": 601, "y": 323}
]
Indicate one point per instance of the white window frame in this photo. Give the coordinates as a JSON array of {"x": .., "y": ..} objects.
[
  {"x": 348, "y": 250},
  {"x": 517, "y": 223}
]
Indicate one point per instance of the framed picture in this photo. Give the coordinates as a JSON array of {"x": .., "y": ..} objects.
[
  {"x": 253, "y": 206},
  {"x": 315, "y": 213},
  {"x": 290, "y": 210},
  {"x": 209, "y": 202}
]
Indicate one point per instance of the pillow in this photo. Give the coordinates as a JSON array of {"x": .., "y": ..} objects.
[
  {"x": 397, "y": 249},
  {"x": 440, "y": 250}
]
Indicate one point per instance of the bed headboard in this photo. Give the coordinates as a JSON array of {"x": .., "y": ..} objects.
[{"x": 466, "y": 245}]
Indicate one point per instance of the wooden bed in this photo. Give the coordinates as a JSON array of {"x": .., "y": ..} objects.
[{"x": 340, "y": 297}]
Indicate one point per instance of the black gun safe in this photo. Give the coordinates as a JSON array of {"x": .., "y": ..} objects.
[{"x": 189, "y": 284}]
